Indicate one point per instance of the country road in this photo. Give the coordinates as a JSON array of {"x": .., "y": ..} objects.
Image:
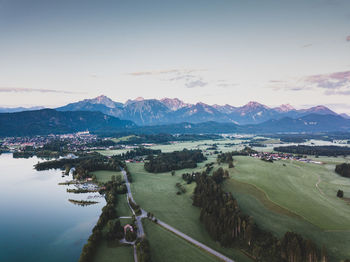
[
  {"x": 195, "y": 242},
  {"x": 141, "y": 233}
]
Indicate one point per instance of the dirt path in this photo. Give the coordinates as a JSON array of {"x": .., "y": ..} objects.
[{"x": 318, "y": 188}]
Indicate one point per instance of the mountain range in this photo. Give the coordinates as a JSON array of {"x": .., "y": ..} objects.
[
  {"x": 105, "y": 116},
  {"x": 169, "y": 111}
]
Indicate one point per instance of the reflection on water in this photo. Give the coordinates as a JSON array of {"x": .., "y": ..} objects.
[{"x": 37, "y": 222}]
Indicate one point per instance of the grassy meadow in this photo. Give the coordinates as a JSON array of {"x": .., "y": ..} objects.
[
  {"x": 284, "y": 198},
  {"x": 114, "y": 252},
  {"x": 156, "y": 193},
  {"x": 166, "y": 246},
  {"x": 104, "y": 176},
  {"x": 281, "y": 196}
]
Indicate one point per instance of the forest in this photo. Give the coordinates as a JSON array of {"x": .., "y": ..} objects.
[
  {"x": 343, "y": 169},
  {"x": 315, "y": 150},
  {"x": 174, "y": 161},
  {"x": 140, "y": 151}
]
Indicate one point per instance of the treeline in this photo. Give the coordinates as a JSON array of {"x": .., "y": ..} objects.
[
  {"x": 140, "y": 151},
  {"x": 226, "y": 224},
  {"x": 83, "y": 165},
  {"x": 315, "y": 150},
  {"x": 174, "y": 161},
  {"x": 108, "y": 226},
  {"x": 158, "y": 138},
  {"x": 143, "y": 250},
  {"x": 63, "y": 162},
  {"x": 343, "y": 169}
]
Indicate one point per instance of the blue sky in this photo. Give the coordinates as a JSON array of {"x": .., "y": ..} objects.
[{"x": 218, "y": 52}]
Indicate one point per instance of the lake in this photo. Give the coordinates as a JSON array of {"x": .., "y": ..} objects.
[{"x": 37, "y": 222}]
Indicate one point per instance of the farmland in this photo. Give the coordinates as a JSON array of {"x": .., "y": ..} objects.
[{"x": 282, "y": 196}]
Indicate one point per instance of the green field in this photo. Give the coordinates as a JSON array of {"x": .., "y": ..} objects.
[
  {"x": 281, "y": 196},
  {"x": 285, "y": 198},
  {"x": 104, "y": 176},
  {"x": 156, "y": 193},
  {"x": 166, "y": 246},
  {"x": 112, "y": 152},
  {"x": 114, "y": 252}
]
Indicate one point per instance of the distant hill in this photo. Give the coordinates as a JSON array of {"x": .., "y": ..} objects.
[
  {"x": 308, "y": 123},
  {"x": 19, "y": 109},
  {"x": 49, "y": 121},
  {"x": 173, "y": 110}
]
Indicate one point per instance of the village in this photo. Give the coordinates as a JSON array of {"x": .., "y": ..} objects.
[{"x": 270, "y": 156}]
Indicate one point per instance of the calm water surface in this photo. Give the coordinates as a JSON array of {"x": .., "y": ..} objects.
[{"x": 37, "y": 222}]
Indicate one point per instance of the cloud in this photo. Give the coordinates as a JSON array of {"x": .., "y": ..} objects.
[
  {"x": 348, "y": 38},
  {"x": 307, "y": 45},
  {"x": 188, "y": 77},
  {"x": 31, "y": 90},
  {"x": 163, "y": 72},
  {"x": 333, "y": 84},
  {"x": 195, "y": 83},
  {"x": 337, "y": 83}
]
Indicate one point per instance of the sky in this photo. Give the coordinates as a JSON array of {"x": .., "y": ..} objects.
[{"x": 217, "y": 52}]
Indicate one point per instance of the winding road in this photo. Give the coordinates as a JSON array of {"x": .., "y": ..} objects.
[{"x": 141, "y": 232}]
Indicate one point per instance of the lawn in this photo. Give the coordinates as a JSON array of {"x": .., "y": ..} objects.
[
  {"x": 104, "y": 176},
  {"x": 156, "y": 193},
  {"x": 285, "y": 198},
  {"x": 111, "y": 253},
  {"x": 166, "y": 246}
]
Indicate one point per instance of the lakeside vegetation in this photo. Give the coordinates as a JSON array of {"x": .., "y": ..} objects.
[{"x": 82, "y": 202}]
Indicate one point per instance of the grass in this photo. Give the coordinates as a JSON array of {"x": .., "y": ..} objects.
[
  {"x": 285, "y": 198},
  {"x": 104, "y": 176},
  {"x": 156, "y": 193},
  {"x": 293, "y": 187},
  {"x": 123, "y": 209},
  {"x": 166, "y": 246},
  {"x": 111, "y": 253}
]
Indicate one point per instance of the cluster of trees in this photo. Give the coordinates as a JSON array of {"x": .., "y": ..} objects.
[
  {"x": 140, "y": 151},
  {"x": 189, "y": 178},
  {"x": 226, "y": 224},
  {"x": 114, "y": 230},
  {"x": 83, "y": 168},
  {"x": 135, "y": 206},
  {"x": 63, "y": 162},
  {"x": 181, "y": 189},
  {"x": 174, "y": 161},
  {"x": 343, "y": 169},
  {"x": 226, "y": 158},
  {"x": 340, "y": 193},
  {"x": 315, "y": 150},
  {"x": 83, "y": 165},
  {"x": 143, "y": 250},
  {"x": 257, "y": 145}
]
